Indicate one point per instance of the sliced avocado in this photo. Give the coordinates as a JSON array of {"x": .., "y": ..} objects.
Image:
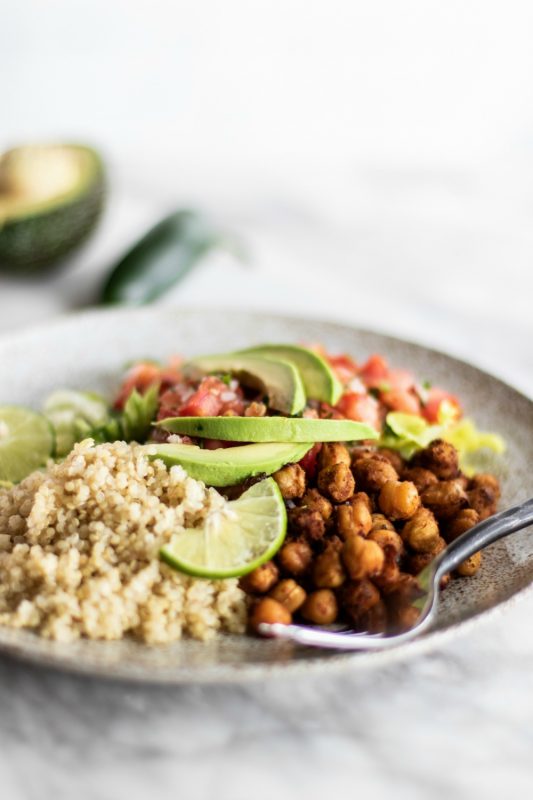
[
  {"x": 270, "y": 429},
  {"x": 279, "y": 380},
  {"x": 230, "y": 465},
  {"x": 50, "y": 199},
  {"x": 319, "y": 379}
]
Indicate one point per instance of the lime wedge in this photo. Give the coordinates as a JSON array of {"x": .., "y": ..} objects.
[
  {"x": 26, "y": 441},
  {"x": 236, "y": 539},
  {"x": 73, "y": 415}
]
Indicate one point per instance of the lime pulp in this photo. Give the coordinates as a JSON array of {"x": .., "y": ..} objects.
[{"x": 26, "y": 442}]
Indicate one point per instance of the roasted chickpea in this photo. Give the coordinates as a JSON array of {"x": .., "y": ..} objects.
[
  {"x": 393, "y": 457},
  {"x": 357, "y": 598},
  {"x": 361, "y": 514},
  {"x": 380, "y": 523},
  {"x": 314, "y": 501},
  {"x": 462, "y": 522},
  {"x": 441, "y": 458},
  {"x": 307, "y": 523},
  {"x": 402, "y": 614},
  {"x": 483, "y": 501},
  {"x": 255, "y": 409},
  {"x": 362, "y": 497},
  {"x": 445, "y": 498},
  {"x": 269, "y": 611},
  {"x": 470, "y": 566},
  {"x": 399, "y": 499},
  {"x": 387, "y": 580},
  {"x": 291, "y": 481},
  {"x": 344, "y": 521},
  {"x": 333, "y": 453},
  {"x": 422, "y": 478},
  {"x": 327, "y": 571},
  {"x": 337, "y": 482},
  {"x": 421, "y": 532},
  {"x": 261, "y": 580},
  {"x": 320, "y": 607},
  {"x": 387, "y": 538},
  {"x": 419, "y": 561},
  {"x": 289, "y": 593},
  {"x": 375, "y": 620},
  {"x": 484, "y": 480},
  {"x": 295, "y": 557},
  {"x": 372, "y": 473},
  {"x": 362, "y": 558}
]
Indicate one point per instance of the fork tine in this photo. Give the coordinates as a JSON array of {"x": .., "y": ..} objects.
[{"x": 316, "y": 637}]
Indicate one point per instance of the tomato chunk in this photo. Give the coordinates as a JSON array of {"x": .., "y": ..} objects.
[{"x": 361, "y": 408}]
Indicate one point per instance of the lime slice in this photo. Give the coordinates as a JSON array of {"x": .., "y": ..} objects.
[
  {"x": 236, "y": 539},
  {"x": 26, "y": 441},
  {"x": 73, "y": 415}
]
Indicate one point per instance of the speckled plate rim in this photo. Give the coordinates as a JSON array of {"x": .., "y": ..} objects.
[{"x": 225, "y": 674}]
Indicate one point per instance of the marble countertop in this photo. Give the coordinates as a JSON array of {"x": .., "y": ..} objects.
[{"x": 442, "y": 266}]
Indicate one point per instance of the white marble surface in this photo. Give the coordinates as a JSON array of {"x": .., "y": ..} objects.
[{"x": 447, "y": 263}]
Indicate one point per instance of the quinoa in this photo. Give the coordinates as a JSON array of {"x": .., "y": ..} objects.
[{"x": 79, "y": 548}]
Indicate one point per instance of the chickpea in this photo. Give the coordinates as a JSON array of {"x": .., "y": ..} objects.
[
  {"x": 402, "y": 614},
  {"x": 328, "y": 572},
  {"x": 399, "y": 499},
  {"x": 314, "y": 501},
  {"x": 333, "y": 453},
  {"x": 255, "y": 409},
  {"x": 393, "y": 457},
  {"x": 361, "y": 514},
  {"x": 289, "y": 593},
  {"x": 295, "y": 557},
  {"x": 470, "y": 566},
  {"x": 375, "y": 620},
  {"x": 483, "y": 480},
  {"x": 269, "y": 611},
  {"x": 307, "y": 523},
  {"x": 372, "y": 473},
  {"x": 462, "y": 522},
  {"x": 357, "y": 598},
  {"x": 362, "y": 497},
  {"x": 421, "y": 532},
  {"x": 483, "y": 501},
  {"x": 445, "y": 498},
  {"x": 380, "y": 523},
  {"x": 362, "y": 558},
  {"x": 422, "y": 478},
  {"x": 261, "y": 580},
  {"x": 320, "y": 607},
  {"x": 337, "y": 482},
  {"x": 419, "y": 561},
  {"x": 441, "y": 458},
  {"x": 291, "y": 481},
  {"x": 387, "y": 538}
]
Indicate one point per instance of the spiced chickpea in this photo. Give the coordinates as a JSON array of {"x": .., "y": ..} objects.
[
  {"x": 380, "y": 523},
  {"x": 361, "y": 513},
  {"x": 441, "y": 458},
  {"x": 387, "y": 538},
  {"x": 422, "y": 478},
  {"x": 291, "y": 481},
  {"x": 375, "y": 620},
  {"x": 328, "y": 571},
  {"x": 470, "y": 566},
  {"x": 308, "y": 523},
  {"x": 418, "y": 561},
  {"x": 402, "y": 614},
  {"x": 445, "y": 498},
  {"x": 462, "y": 522},
  {"x": 333, "y": 453},
  {"x": 337, "y": 482},
  {"x": 483, "y": 501},
  {"x": 421, "y": 532},
  {"x": 320, "y": 607},
  {"x": 295, "y": 557},
  {"x": 344, "y": 521},
  {"x": 315, "y": 501},
  {"x": 269, "y": 611},
  {"x": 362, "y": 558},
  {"x": 484, "y": 480},
  {"x": 372, "y": 473},
  {"x": 261, "y": 580},
  {"x": 399, "y": 499},
  {"x": 393, "y": 457},
  {"x": 289, "y": 593},
  {"x": 357, "y": 598},
  {"x": 255, "y": 409},
  {"x": 387, "y": 580}
]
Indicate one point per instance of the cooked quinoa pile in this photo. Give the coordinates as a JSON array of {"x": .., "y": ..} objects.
[{"x": 79, "y": 551}]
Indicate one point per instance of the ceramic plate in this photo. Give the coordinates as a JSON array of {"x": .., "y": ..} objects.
[{"x": 89, "y": 351}]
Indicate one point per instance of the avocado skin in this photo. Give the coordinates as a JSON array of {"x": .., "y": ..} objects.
[{"x": 41, "y": 239}]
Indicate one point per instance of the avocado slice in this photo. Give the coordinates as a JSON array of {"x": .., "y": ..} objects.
[
  {"x": 319, "y": 379},
  {"x": 279, "y": 380},
  {"x": 270, "y": 429},
  {"x": 230, "y": 465},
  {"x": 50, "y": 199}
]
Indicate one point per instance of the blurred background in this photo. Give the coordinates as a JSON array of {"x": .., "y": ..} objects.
[{"x": 375, "y": 158}]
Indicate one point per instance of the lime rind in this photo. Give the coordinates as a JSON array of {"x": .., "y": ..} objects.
[
  {"x": 234, "y": 541},
  {"x": 26, "y": 442}
]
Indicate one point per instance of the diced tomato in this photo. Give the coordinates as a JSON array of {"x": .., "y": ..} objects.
[
  {"x": 344, "y": 366},
  {"x": 141, "y": 377},
  {"x": 309, "y": 461},
  {"x": 375, "y": 371},
  {"x": 430, "y": 410},
  {"x": 401, "y": 400},
  {"x": 401, "y": 379},
  {"x": 360, "y": 407}
]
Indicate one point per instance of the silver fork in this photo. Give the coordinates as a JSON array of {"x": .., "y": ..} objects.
[{"x": 477, "y": 538}]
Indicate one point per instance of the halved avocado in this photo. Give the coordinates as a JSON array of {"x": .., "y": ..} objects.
[
  {"x": 279, "y": 380},
  {"x": 228, "y": 465},
  {"x": 269, "y": 429},
  {"x": 319, "y": 379},
  {"x": 50, "y": 199}
]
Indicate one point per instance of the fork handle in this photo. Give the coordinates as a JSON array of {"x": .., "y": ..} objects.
[{"x": 484, "y": 534}]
